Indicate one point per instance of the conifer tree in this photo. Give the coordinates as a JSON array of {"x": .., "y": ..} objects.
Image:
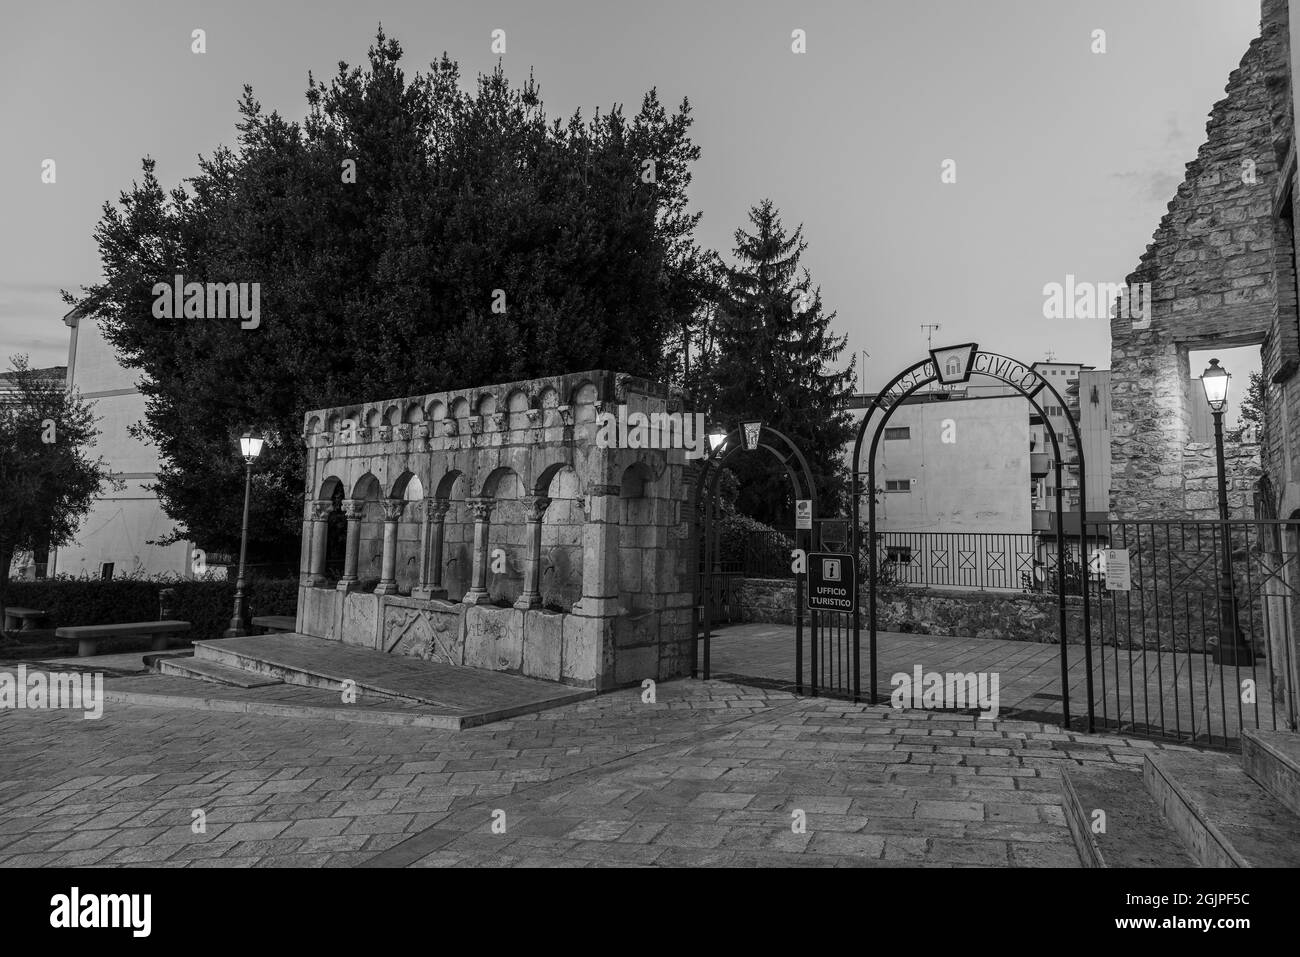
[{"x": 774, "y": 360}]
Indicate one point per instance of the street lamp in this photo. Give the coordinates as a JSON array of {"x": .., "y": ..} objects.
[
  {"x": 250, "y": 446},
  {"x": 716, "y": 438},
  {"x": 1232, "y": 648}
]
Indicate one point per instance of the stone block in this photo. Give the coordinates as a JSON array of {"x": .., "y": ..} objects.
[
  {"x": 583, "y": 650},
  {"x": 360, "y": 619},
  {"x": 543, "y": 644},
  {"x": 494, "y": 638}
]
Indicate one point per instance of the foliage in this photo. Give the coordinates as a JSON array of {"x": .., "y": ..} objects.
[
  {"x": 1251, "y": 411},
  {"x": 772, "y": 361},
  {"x": 47, "y": 482},
  {"x": 206, "y": 604},
  {"x": 387, "y": 285}
]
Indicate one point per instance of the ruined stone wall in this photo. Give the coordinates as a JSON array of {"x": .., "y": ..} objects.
[{"x": 1212, "y": 270}]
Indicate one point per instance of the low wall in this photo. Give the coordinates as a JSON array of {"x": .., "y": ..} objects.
[
  {"x": 591, "y": 652},
  {"x": 1014, "y": 616}
]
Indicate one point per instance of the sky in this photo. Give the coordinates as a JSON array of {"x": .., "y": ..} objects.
[{"x": 1065, "y": 158}]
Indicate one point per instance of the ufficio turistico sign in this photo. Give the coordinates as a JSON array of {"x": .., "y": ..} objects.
[{"x": 832, "y": 582}]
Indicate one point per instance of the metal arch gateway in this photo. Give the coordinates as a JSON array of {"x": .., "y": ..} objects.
[
  {"x": 751, "y": 436},
  {"x": 952, "y": 365}
]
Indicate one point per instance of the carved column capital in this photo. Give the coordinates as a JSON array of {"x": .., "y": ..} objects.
[
  {"x": 436, "y": 509},
  {"x": 481, "y": 508},
  {"x": 534, "y": 507},
  {"x": 354, "y": 509},
  {"x": 320, "y": 511},
  {"x": 392, "y": 508}
]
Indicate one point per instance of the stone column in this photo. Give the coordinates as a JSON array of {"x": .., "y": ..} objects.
[
  {"x": 388, "y": 574},
  {"x": 431, "y": 539},
  {"x": 481, "y": 508},
  {"x": 355, "y": 511},
  {"x": 600, "y": 554},
  {"x": 534, "y": 508},
  {"x": 320, "y": 513}
]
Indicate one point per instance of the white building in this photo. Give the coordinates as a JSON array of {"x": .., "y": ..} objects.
[{"x": 114, "y": 536}]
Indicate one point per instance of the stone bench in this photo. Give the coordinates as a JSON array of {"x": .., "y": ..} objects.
[
  {"x": 273, "y": 624},
  {"x": 27, "y": 616},
  {"x": 87, "y": 635}
]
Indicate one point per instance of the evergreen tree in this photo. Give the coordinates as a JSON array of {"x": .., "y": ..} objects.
[
  {"x": 773, "y": 360},
  {"x": 380, "y": 229}
]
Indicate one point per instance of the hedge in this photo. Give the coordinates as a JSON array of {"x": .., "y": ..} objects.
[{"x": 207, "y": 605}]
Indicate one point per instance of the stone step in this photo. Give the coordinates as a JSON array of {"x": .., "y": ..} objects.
[
  {"x": 214, "y": 672},
  {"x": 228, "y": 653},
  {"x": 1223, "y": 816},
  {"x": 1135, "y": 835},
  {"x": 1272, "y": 758},
  {"x": 478, "y": 694}
]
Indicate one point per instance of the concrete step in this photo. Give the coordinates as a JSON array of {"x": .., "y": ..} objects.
[
  {"x": 1223, "y": 817},
  {"x": 214, "y": 672},
  {"x": 1135, "y": 835},
  {"x": 1272, "y": 758}
]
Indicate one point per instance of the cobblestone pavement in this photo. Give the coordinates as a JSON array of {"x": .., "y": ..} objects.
[{"x": 713, "y": 773}]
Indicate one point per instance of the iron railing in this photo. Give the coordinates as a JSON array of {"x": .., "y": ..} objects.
[{"x": 1161, "y": 664}]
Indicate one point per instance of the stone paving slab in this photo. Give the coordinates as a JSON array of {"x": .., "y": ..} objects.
[
  {"x": 710, "y": 774},
  {"x": 449, "y": 688}
]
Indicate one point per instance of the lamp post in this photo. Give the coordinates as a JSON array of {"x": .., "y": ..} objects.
[
  {"x": 250, "y": 446},
  {"x": 1232, "y": 648}
]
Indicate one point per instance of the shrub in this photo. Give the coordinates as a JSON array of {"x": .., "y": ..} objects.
[{"x": 207, "y": 604}]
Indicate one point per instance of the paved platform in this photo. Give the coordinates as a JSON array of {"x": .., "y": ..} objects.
[
  {"x": 709, "y": 774},
  {"x": 1030, "y": 678}
]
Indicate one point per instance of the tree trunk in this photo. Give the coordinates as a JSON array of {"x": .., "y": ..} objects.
[{"x": 6, "y": 558}]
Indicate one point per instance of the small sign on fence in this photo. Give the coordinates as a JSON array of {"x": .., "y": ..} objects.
[
  {"x": 803, "y": 513},
  {"x": 832, "y": 582},
  {"x": 1117, "y": 570}
]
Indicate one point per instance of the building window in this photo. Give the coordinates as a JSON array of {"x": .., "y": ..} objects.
[
  {"x": 898, "y": 554},
  {"x": 106, "y": 570},
  {"x": 898, "y": 485},
  {"x": 904, "y": 432}
]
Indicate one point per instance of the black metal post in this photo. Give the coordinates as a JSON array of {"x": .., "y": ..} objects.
[
  {"x": 1232, "y": 648},
  {"x": 236, "y": 629}
]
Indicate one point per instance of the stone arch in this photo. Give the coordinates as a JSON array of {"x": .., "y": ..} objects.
[
  {"x": 372, "y": 419},
  {"x": 402, "y": 485},
  {"x": 414, "y": 414},
  {"x": 392, "y": 415},
  {"x": 486, "y": 404},
  {"x": 636, "y": 481},
  {"x": 507, "y": 539},
  {"x": 585, "y": 397},
  {"x": 549, "y": 402},
  {"x": 367, "y": 489},
  {"x": 460, "y": 408},
  {"x": 332, "y": 490},
  {"x": 517, "y": 406},
  {"x": 313, "y": 425},
  {"x": 561, "y": 553},
  {"x": 329, "y": 486},
  {"x": 333, "y": 422},
  {"x": 435, "y": 411},
  {"x": 458, "y": 533}
]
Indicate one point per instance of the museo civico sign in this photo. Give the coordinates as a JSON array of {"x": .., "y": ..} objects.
[{"x": 952, "y": 365}]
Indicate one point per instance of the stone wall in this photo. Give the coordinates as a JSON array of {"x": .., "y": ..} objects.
[
  {"x": 1213, "y": 266},
  {"x": 1012, "y": 616}
]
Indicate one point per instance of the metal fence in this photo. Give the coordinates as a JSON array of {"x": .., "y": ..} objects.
[
  {"x": 1163, "y": 653},
  {"x": 995, "y": 561}
]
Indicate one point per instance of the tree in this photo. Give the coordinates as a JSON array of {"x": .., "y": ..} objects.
[
  {"x": 47, "y": 483},
  {"x": 407, "y": 237},
  {"x": 1251, "y": 411},
  {"x": 773, "y": 361}
]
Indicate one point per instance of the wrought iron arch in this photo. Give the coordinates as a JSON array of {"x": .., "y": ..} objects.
[
  {"x": 706, "y": 488},
  {"x": 905, "y": 384}
]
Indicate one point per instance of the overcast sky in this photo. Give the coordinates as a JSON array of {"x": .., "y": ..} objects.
[{"x": 1066, "y": 159}]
